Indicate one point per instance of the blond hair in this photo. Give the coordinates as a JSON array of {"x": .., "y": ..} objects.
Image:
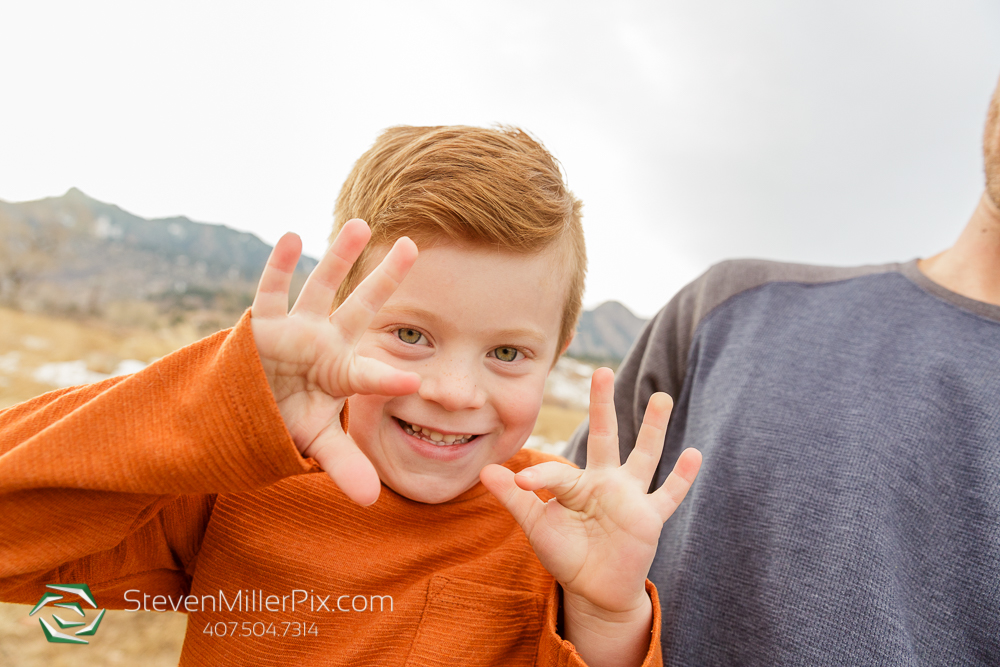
[{"x": 496, "y": 187}]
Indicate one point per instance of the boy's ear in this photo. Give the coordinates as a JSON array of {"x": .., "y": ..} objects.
[{"x": 569, "y": 341}]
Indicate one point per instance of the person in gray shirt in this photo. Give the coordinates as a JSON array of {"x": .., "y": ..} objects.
[{"x": 848, "y": 506}]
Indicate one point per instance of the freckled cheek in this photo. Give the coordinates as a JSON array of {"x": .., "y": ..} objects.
[{"x": 518, "y": 410}]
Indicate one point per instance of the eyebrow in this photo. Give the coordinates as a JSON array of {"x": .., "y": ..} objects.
[{"x": 533, "y": 335}]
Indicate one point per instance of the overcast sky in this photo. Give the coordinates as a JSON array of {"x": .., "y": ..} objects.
[{"x": 837, "y": 132}]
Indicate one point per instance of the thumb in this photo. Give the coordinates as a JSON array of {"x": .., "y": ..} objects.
[
  {"x": 562, "y": 480},
  {"x": 338, "y": 454},
  {"x": 523, "y": 505},
  {"x": 371, "y": 376}
]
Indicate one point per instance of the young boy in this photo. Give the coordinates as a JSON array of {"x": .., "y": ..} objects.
[{"x": 186, "y": 485}]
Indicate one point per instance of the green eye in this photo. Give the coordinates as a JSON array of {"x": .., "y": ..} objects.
[
  {"x": 411, "y": 336},
  {"x": 505, "y": 353}
]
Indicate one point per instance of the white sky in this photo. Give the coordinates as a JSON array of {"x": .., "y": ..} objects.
[{"x": 839, "y": 132}]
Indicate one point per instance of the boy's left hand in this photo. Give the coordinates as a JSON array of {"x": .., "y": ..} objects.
[{"x": 599, "y": 534}]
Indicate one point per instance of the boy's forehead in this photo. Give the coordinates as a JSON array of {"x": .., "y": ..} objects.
[{"x": 549, "y": 263}]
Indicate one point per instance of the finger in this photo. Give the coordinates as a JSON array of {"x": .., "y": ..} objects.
[
  {"x": 602, "y": 442},
  {"x": 370, "y": 376},
  {"x": 672, "y": 492},
  {"x": 271, "y": 299},
  {"x": 559, "y": 478},
  {"x": 337, "y": 453},
  {"x": 320, "y": 290},
  {"x": 642, "y": 462},
  {"x": 524, "y": 506},
  {"x": 358, "y": 310}
]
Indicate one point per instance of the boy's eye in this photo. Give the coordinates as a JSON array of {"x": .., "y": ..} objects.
[
  {"x": 506, "y": 353},
  {"x": 411, "y": 336}
]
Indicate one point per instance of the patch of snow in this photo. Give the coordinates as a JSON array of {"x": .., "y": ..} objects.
[
  {"x": 104, "y": 229},
  {"x": 35, "y": 342},
  {"x": 127, "y": 367},
  {"x": 569, "y": 382},
  {"x": 66, "y": 374},
  {"x": 10, "y": 362},
  {"x": 569, "y": 390},
  {"x": 73, "y": 373}
]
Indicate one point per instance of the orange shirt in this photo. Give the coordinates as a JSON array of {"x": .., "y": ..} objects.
[{"x": 181, "y": 481}]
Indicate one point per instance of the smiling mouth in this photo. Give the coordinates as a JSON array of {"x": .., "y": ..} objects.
[{"x": 434, "y": 437}]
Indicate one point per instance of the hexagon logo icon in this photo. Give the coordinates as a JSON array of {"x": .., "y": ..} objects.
[{"x": 58, "y": 599}]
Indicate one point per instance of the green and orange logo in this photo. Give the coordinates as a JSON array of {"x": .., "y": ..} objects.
[{"x": 81, "y": 591}]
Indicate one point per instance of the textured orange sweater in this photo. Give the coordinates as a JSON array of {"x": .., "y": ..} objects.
[{"x": 181, "y": 481}]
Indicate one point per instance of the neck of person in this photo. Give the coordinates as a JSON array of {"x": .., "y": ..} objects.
[{"x": 971, "y": 267}]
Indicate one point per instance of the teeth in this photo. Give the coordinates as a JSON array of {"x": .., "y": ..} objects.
[{"x": 434, "y": 437}]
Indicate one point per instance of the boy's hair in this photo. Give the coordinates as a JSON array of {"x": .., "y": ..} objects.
[{"x": 494, "y": 187}]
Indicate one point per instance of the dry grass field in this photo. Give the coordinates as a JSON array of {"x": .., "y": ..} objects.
[
  {"x": 30, "y": 347},
  {"x": 147, "y": 639},
  {"x": 28, "y": 341}
]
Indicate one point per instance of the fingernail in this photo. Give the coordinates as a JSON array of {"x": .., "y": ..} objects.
[{"x": 527, "y": 474}]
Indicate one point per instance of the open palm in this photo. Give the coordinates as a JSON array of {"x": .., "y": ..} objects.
[
  {"x": 308, "y": 353},
  {"x": 599, "y": 534}
]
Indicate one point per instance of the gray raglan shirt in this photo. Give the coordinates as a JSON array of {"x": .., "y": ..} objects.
[{"x": 848, "y": 508}]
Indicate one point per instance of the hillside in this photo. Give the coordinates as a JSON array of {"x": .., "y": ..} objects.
[
  {"x": 76, "y": 255},
  {"x": 605, "y": 334}
]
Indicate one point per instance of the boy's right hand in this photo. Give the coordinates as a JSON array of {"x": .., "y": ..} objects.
[{"x": 308, "y": 354}]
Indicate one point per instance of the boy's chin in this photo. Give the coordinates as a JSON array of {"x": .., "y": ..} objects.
[{"x": 429, "y": 491}]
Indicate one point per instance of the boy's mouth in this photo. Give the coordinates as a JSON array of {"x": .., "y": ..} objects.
[{"x": 434, "y": 437}]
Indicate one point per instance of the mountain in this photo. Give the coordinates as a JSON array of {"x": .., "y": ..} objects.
[
  {"x": 75, "y": 253},
  {"x": 605, "y": 333}
]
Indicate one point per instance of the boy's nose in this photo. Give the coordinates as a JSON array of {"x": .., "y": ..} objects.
[{"x": 453, "y": 386}]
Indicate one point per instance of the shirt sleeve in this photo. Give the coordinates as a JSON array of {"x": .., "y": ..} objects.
[
  {"x": 658, "y": 360},
  {"x": 113, "y": 483},
  {"x": 554, "y": 651}
]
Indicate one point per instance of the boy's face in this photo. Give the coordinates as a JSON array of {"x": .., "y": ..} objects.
[{"x": 480, "y": 327}]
